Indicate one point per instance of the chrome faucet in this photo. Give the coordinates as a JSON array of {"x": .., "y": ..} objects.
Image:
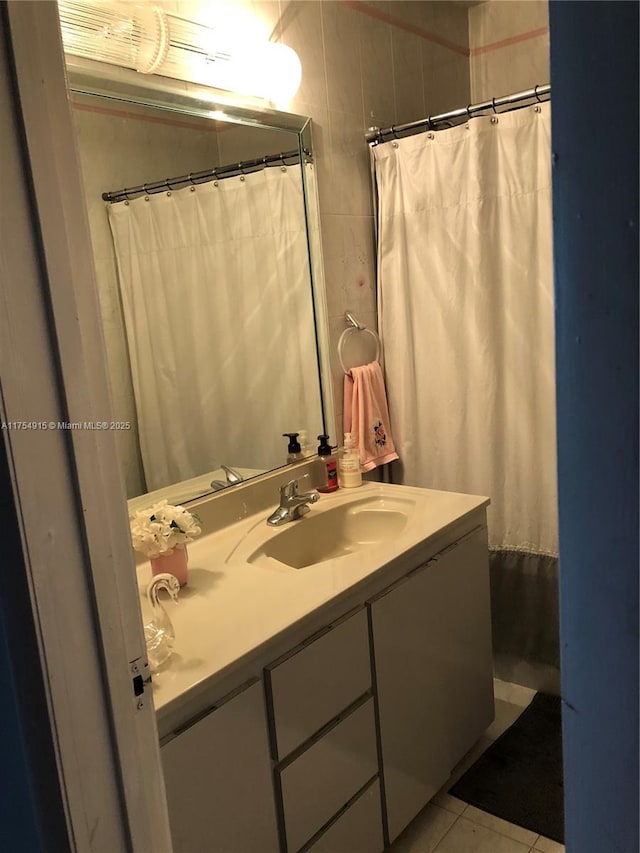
[
  {"x": 232, "y": 476},
  {"x": 293, "y": 504}
]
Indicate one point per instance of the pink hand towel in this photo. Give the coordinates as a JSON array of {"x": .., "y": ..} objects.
[{"x": 366, "y": 415}]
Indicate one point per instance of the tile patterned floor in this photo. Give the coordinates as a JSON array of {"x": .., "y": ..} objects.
[{"x": 447, "y": 825}]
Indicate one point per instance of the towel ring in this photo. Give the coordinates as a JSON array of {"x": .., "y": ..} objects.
[{"x": 355, "y": 330}]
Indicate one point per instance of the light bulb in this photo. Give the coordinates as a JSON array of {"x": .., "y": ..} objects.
[
  {"x": 281, "y": 72},
  {"x": 265, "y": 69}
]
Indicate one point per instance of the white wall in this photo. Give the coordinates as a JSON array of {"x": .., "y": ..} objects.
[{"x": 509, "y": 41}]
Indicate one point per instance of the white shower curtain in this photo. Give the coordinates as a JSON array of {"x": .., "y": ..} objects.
[
  {"x": 465, "y": 304},
  {"x": 219, "y": 319}
]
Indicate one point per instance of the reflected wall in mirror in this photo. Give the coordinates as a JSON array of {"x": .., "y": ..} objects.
[{"x": 205, "y": 290}]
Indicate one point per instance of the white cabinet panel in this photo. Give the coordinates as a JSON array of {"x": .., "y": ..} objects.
[
  {"x": 467, "y": 653},
  {"x": 219, "y": 782},
  {"x": 332, "y": 770},
  {"x": 318, "y": 681},
  {"x": 407, "y": 640},
  {"x": 432, "y": 651},
  {"x": 358, "y": 830}
]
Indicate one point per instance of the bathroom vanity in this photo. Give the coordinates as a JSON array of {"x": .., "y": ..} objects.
[{"x": 320, "y": 706}]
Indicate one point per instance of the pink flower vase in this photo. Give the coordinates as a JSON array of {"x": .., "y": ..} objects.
[{"x": 174, "y": 563}]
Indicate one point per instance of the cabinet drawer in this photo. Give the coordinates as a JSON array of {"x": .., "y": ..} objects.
[
  {"x": 357, "y": 830},
  {"x": 317, "y": 681},
  {"x": 327, "y": 775}
]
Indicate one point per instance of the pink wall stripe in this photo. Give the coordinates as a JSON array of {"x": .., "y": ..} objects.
[
  {"x": 106, "y": 111},
  {"x": 497, "y": 45},
  {"x": 427, "y": 35}
]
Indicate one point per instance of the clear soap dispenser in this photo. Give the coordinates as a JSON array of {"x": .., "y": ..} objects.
[
  {"x": 294, "y": 451},
  {"x": 305, "y": 445},
  {"x": 349, "y": 473}
]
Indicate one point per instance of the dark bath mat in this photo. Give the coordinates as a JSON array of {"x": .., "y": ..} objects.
[{"x": 519, "y": 778}]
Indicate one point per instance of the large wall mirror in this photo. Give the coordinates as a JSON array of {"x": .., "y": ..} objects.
[{"x": 205, "y": 237}]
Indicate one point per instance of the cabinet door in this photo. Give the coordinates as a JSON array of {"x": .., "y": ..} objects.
[
  {"x": 467, "y": 653},
  {"x": 433, "y": 663},
  {"x": 219, "y": 783},
  {"x": 407, "y": 641}
]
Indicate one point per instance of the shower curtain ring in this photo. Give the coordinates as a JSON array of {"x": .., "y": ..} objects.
[
  {"x": 191, "y": 181},
  {"x": 469, "y": 111},
  {"x": 535, "y": 92},
  {"x": 430, "y": 134},
  {"x": 493, "y": 106}
]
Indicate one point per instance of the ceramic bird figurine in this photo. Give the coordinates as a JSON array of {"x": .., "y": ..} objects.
[{"x": 158, "y": 633}]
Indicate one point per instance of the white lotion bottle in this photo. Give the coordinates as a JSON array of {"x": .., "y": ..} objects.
[{"x": 349, "y": 472}]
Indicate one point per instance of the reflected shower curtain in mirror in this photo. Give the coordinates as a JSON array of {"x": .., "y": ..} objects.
[
  {"x": 201, "y": 272},
  {"x": 465, "y": 300}
]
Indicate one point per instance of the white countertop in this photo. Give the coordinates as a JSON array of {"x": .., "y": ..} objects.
[{"x": 230, "y": 607}]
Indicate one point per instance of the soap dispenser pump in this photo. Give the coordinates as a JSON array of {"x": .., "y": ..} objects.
[
  {"x": 294, "y": 451},
  {"x": 329, "y": 464}
]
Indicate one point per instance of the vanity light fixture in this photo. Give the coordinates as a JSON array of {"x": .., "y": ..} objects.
[{"x": 151, "y": 41}]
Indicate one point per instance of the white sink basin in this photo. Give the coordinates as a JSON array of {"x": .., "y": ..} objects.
[{"x": 336, "y": 532}]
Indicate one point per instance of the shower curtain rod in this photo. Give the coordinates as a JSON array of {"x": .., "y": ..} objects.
[
  {"x": 245, "y": 167},
  {"x": 375, "y": 135}
]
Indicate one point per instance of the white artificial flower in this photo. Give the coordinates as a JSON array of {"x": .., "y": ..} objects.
[{"x": 161, "y": 528}]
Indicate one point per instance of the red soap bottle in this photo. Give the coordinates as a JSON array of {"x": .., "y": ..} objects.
[{"x": 329, "y": 462}]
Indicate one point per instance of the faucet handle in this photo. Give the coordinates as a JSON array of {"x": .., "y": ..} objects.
[
  {"x": 232, "y": 475},
  {"x": 290, "y": 489}
]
